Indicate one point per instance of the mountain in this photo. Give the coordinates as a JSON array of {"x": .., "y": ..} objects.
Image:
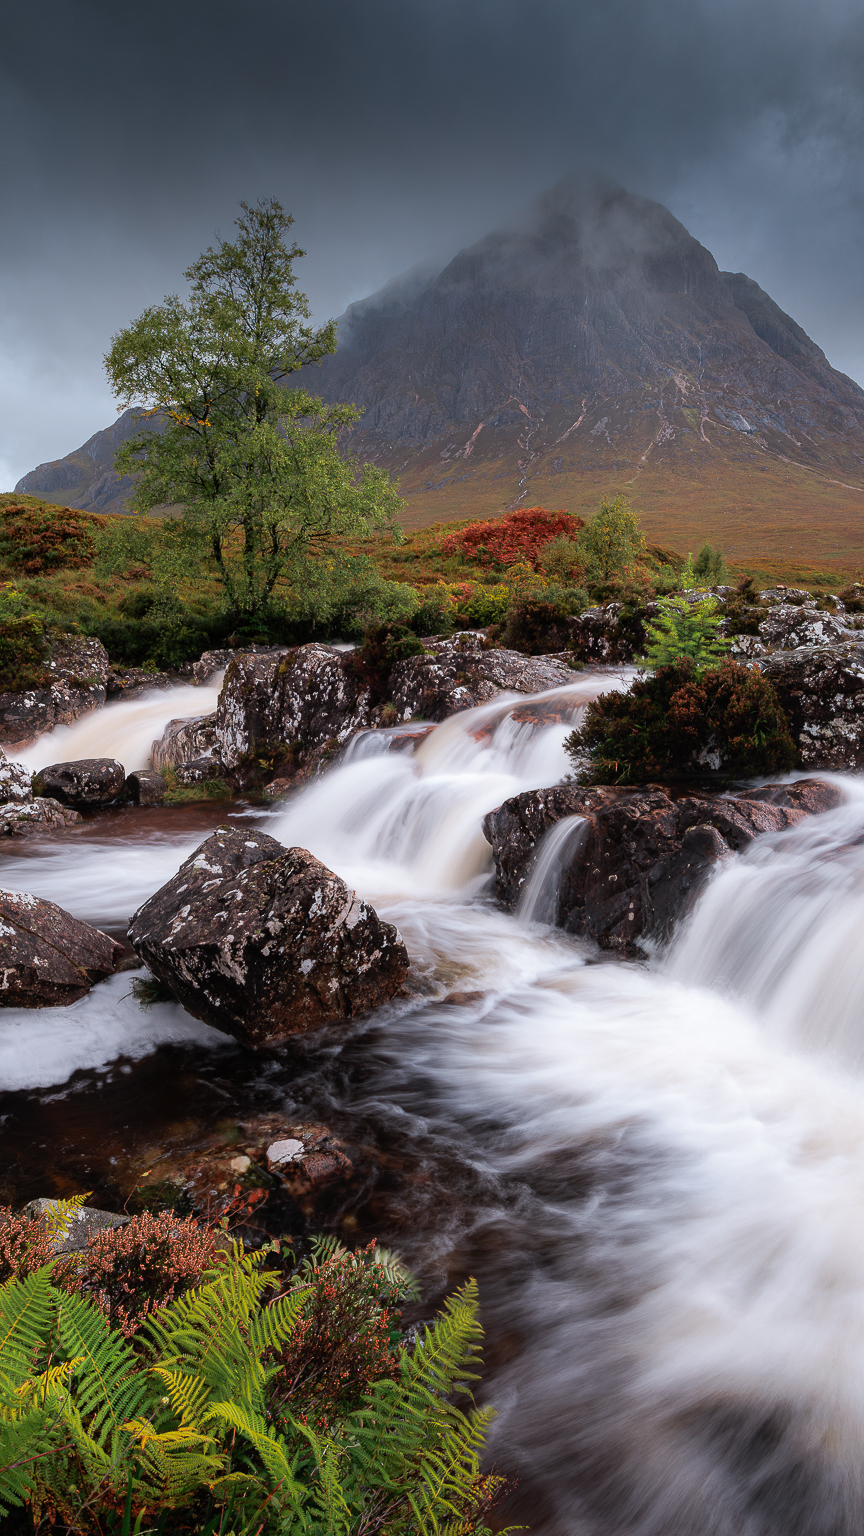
[{"x": 594, "y": 349}]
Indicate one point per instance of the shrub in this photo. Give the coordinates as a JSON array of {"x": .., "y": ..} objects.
[
  {"x": 709, "y": 567},
  {"x": 503, "y": 541},
  {"x": 684, "y": 629},
  {"x": 35, "y": 540},
  {"x": 676, "y": 723},
  {"x": 611, "y": 545},
  {"x": 23, "y": 643},
  {"x": 255, "y": 1402},
  {"x": 383, "y": 645},
  {"x": 537, "y": 624}
]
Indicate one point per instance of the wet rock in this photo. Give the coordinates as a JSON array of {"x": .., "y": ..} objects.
[
  {"x": 644, "y": 855},
  {"x": 83, "y": 1225},
  {"x": 144, "y": 787},
  {"x": 454, "y": 675},
  {"x": 281, "y": 1153},
  {"x": 47, "y": 957},
  {"x": 87, "y": 782},
  {"x": 131, "y": 682},
  {"x": 821, "y": 689},
  {"x": 299, "y": 701},
  {"x": 37, "y": 815},
  {"x": 787, "y": 626},
  {"x": 16, "y": 782},
  {"x": 182, "y": 741},
  {"x": 198, "y": 770},
  {"x": 209, "y": 664},
  {"x": 265, "y": 943},
  {"x": 78, "y": 669}
]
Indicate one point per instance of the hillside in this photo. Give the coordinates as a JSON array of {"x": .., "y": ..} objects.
[{"x": 596, "y": 349}]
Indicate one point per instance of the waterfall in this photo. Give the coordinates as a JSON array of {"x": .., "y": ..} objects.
[
  {"x": 125, "y": 730},
  {"x": 539, "y": 900},
  {"x": 659, "y": 1169}
]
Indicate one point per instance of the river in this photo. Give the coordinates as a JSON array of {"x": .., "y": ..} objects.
[{"x": 655, "y": 1170}]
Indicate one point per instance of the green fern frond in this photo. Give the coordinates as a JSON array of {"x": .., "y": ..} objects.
[
  {"x": 188, "y": 1394},
  {"x": 110, "y": 1386},
  {"x": 266, "y": 1440},
  {"x": 27, "y": 1310},
  {"x": 273, "y": 1325}
]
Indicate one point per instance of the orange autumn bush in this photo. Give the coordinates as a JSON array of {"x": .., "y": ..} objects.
[{"x": 503, "y": 541}]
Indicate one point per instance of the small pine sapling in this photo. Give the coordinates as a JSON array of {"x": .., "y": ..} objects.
[{"x": 684, "y": 629}]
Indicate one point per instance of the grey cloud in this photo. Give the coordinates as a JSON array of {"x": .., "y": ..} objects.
[{"x": 398, "y": 131}]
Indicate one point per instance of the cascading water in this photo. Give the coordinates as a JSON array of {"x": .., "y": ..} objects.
[
  {"x": 662, "y": 1168},
  {"x": 125, "y": 729}
]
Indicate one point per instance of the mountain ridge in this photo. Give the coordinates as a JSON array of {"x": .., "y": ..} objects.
[{"x": 594, "y": 349}]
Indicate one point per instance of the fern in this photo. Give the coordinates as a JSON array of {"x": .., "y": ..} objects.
[{"x": 58, "y": 1215}]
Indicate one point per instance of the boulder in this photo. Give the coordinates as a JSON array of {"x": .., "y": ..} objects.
[
  {"x": 37, "y": 815},
  {"x": 299, "y": 700},
  {"x": 265, "y": 943},
  {"x": 16, "y": 782},
  {"x": 47, "y": 957},
  {"x": 606, "y": 634},
  {"x": 78, "y": 668},
  {"x": 90, "y": 781},
  {"x": 144, "y": 788},
  {"x": 787, "y": 626},
  {"x": 184, "y": 740},
  {"x": 458, "y": 674},
  {"x": 84, "y": 1223},
  {"x": 644, "y": 854},
  {"x": 821, "y": 689}
]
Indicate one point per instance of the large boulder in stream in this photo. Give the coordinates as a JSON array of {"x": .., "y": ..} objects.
[
  {"x": 821, "y": 688},
  {"x": 638, "y": 858},
  {"x": 16, "y": 786},
  {"x": 47, "y": 957},
  {"x": 86, "y": 783},
  {"x": 264, "y": 942}
]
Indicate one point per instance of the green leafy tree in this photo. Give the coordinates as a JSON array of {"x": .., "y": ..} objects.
[
  {"x": 254, "y": 462},
  {"x": 685, "y": 629},
  {"x": 611, "y": 545}
]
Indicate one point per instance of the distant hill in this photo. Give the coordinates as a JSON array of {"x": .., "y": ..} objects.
[{"x": 595, "y": 349}]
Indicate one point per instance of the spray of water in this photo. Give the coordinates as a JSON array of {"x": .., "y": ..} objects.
[{"x": 125, "y": 730}]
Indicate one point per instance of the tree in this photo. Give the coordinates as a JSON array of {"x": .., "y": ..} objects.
[
  {"x": 685, "y": 629},
  {"x": 254, "y": 463},
  {"x": 611, "y": 544}
]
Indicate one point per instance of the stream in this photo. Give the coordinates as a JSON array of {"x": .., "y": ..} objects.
[{"x": 655, "y": 1170}]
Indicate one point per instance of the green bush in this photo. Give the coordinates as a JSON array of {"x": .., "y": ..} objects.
[
  {"x": 684, "y": 629},
  {"x": 537, "y": 625},
  {"x": 23, "y": 643},
  {"x": 678, "y": 723},
  {"x": 251, "y": 1397},
  {"x": 709, "y": 567},
  {"x": 611, "y": 546}
]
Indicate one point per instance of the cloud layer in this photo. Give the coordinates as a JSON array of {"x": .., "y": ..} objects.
[{"x": 396, "y": 132}]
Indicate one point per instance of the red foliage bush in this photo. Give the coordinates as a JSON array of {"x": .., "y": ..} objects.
[
  {"x": 344, "y": 1339},
  {"x": 24, "y": 1245},
  {"x": 503, "y": 541},
  {"x": 132, "y": 1270}
]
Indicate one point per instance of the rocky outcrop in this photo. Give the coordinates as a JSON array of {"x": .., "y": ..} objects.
[
  {"x": 184, "y": 740},
  {"x": 605, "y": 635},
  {"x": 48, "y": 958},
  {"x": 454, "y": 675},
  {"x": 16, "y": 782},
  {"x": 821, "y": 689},
  {"x": 266, "y": 943},
  {"x": 643, "y": 855},
  {"x": 83, "y": 1224},
  {"x": 300, "y": 700},
  {"x": 306, "y": 703},
  {"x": 79, "y": 670},
  {"x": 787, "y": 626},
  {"x": 36, "y": 815},
  {"x": 84, "y": 784}
]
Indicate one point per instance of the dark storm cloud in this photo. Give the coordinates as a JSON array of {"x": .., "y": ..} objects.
[{"x": 397, "y": 132}]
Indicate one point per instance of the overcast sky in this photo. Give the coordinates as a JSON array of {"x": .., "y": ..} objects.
[{"x": 398, "y": 131}]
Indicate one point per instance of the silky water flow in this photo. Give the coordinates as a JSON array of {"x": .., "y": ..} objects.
[{"x": 665, "y": 1162}]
